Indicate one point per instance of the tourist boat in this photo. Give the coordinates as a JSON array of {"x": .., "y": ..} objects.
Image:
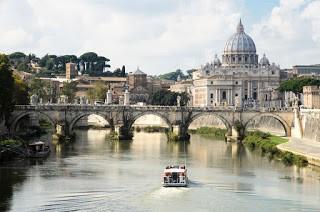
[
  {"x": 175, "y": 176},
  {"x": 38, "y": 150}
]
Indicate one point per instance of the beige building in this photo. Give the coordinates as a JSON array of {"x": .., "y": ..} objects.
[
  {"x": 311, "y": 97},
  {"x": 240, "y": 79},
  {"x": 182, "y": 86},
  {"x": 71, "y": 71}
]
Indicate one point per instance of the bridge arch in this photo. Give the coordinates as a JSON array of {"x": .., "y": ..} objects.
[
  {"x": 16, "y": 119},
  {"x": 141, "y": 114},
  {"x": 78, "y": 117},
  {"x": 220, "y": 117},
  {"x": 284, "y": 124}
]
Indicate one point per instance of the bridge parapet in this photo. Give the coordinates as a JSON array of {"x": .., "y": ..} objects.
[{"x": 125, "y": 116}]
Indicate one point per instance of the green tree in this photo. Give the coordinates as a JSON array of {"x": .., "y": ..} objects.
[
  {"x": 69, "y": 89},
  {"x": 173, "y": 75},
  {"x": 6, "y": 88},
  {"x": 296, "y": 84},
  {"x": 40, "y": 88},
  {"x": 98, "y": 92},
  {"x": 20, "y": 95},
  {"x": 184, "y": 98},
  {"x": 17, "y": 55},
  {"x": 23, "y": 66},
  {"x": 169, "y": 98}
]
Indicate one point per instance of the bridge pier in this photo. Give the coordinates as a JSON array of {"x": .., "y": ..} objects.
[
  {"x": 179, "y": 133},
  {"x": 235, "y": 134},
  {"x": 62, "y": 133},
  {"x": 123, "y": 132}
]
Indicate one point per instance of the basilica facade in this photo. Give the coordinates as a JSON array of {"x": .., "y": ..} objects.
[{"x": 239, "y": 79}]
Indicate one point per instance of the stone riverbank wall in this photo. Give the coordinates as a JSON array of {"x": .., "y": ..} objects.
[{"x": 310, "y": 124}]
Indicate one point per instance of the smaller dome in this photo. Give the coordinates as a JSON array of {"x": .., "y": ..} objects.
[
  {"x": 264, "y": 61},
  {"x": 216, "y": 60}
]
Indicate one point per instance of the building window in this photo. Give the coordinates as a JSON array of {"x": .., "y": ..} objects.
[
  {"x": 236, "y": 82},
  {"x": 272, "y": 72},
  {"x": 211, "y": 82},
  {"x": 224, "y": 95},
  {"x": 236, "y": 94},
  {"x": 211, "y": 95},
  {"x": 246, "y": 97},
  {"x": 255, "y": 95}
]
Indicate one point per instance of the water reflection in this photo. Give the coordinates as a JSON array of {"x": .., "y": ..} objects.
[{"x": 94, "y": 171}]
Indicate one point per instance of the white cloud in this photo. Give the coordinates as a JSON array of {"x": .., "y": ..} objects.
[
  {"x": 157, "y": 35},
  {"x": 290, "y": 35}
]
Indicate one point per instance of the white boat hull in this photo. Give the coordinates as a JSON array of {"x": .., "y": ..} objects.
[{"x": 174, "y": 184}]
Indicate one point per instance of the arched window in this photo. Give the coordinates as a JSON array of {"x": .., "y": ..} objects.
[
  {"x": 255, "y": 95},
  {"x": 224, "y": 95}
]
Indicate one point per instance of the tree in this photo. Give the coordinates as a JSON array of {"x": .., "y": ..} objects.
[
  {"x": 169, "y": 98},
  {"x": 173, "y": 75},
  {"x": 17, "y": 56},
  {"x": 98, "y": 92},
  {"x": 40, "y": 88},
  {"x": 6, "y": 88},
  {"x": 296, "y": 84},
  {"x": 184, "y": 98},
  {"x": 123, "y": 71},
  {"x": 20, "y": 95},
  {"x": 69, "y": 89}
]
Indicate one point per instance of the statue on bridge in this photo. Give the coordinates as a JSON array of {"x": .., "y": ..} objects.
[
  {"x": 178, "y": 101},
  {"x": 34, "y": 99}
]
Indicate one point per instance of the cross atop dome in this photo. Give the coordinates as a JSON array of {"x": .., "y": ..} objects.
[{"x": 240, "y": 27}]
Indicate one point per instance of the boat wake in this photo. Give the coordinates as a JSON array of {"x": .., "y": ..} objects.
[{"x": 168, "y": 192}]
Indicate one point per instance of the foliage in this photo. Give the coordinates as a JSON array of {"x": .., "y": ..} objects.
[
  {"x": 10, "y": 142},
  {"x": 267, "y": 143},
  {"x": 173, "y": 75},
  {"x": 17, "y": 55},
  {"x": 69, "y": 89},
  {"x": 296, "y": 84},
  {"x": 95, "y": 64},
  {"x": 6, "y": 88},
  {"x": 168, "y": 98},
  {"x": 151, "y": 129},
  {"x": 88, "y": 63},
  {"x": 20, "y": 95},
  {"x": 41, "y": 88},
  {"x": 98, "y": 92},
  {"x": 210, "y": 132}
]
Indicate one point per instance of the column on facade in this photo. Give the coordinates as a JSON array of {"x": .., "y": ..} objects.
[
  {"x": 228, "y": 96},
  {"x": 216, "y": 99},
  {"x": 258, "y": 91},
  {"x": 249, "y": 89},
  {"x": 231, "y": 96}
]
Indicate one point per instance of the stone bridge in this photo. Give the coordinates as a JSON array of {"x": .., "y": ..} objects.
[{"x": 121, "y": 118}]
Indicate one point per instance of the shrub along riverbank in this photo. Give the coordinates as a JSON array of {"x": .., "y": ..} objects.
[
  {"x": 210, "y": 132},
  {"x": 267, "y": 144},
  {"x": 150, "y": 129},
  {"x": 10, "y": 149}
]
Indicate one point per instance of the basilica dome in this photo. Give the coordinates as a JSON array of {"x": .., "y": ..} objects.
[
  {"x": 240, "y": 49},
  {"x": 240, "y": 42}
]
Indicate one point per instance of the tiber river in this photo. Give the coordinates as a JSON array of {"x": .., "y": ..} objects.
[{"x": 93, "y": 174}]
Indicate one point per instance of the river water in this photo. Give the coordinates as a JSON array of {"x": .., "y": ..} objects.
[{"x": 93, "y": 174}]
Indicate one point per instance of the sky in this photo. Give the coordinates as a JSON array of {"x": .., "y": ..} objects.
[{"x": 160, "y": 36}]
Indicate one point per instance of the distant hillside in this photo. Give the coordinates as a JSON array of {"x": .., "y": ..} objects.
[
  {"x": 174, "y": 75},
  {"x": 50, "y": 65}
]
